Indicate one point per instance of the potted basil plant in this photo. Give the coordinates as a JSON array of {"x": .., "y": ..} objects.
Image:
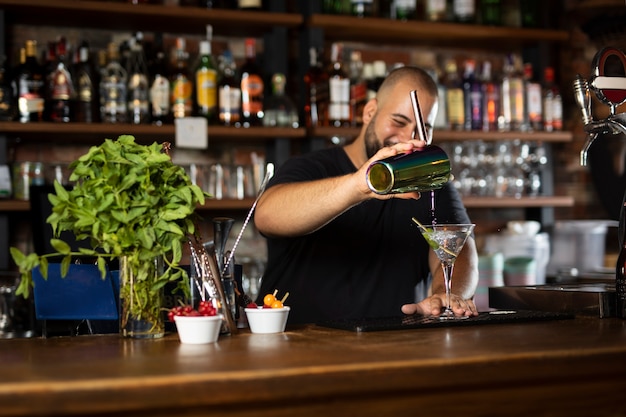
[{"x": 133, "y": 204}]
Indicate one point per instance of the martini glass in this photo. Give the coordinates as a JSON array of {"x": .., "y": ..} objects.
[{"x": 446, "y": 240}]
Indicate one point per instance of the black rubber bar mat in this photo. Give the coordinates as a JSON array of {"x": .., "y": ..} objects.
[{"x": 422, "y": 322}]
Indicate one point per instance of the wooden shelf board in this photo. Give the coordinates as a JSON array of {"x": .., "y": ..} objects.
[
  {"x": 90, "y": 132},
  {"x": 452, "y": 135},
  {"x": 174, "y": 19},
  {"x": 432, "y": 33},
  {"x": 522, "y": 202},
  {"x": 210, "y": 204}
]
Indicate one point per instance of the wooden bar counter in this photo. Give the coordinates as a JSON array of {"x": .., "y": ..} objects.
[{"x": 573, "y": 367}]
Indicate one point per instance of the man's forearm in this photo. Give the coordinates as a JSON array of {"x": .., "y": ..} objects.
[{"x": 300, "y": 208}]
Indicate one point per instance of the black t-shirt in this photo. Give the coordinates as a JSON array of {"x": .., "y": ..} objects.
[{"x": 366, "y": 262}]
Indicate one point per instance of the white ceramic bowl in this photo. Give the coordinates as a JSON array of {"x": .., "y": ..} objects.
[
  {"x": 267, "y": 320},
  {"x": 198, "y": 329}
]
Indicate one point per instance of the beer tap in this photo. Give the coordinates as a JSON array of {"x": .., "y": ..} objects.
[{"x": 608, "y": 82}]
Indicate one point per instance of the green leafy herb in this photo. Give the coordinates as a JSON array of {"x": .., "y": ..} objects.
[{"x": 129, "y": 201}]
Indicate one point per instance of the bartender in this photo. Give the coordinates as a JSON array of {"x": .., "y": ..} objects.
[{"x": 344, "y": 252}]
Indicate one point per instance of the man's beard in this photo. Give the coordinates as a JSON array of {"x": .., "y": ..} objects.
[{"x": 372, "y": 143}]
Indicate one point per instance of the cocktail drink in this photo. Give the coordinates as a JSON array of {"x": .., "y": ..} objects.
[{"x": 446, "y": 240}]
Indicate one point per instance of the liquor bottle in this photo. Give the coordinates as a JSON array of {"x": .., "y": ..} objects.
[
  {"x": 337, "y": 7},
  {"x": 229, "y": 92},
  {"x": 280, "y": 109},
  {"x": 380, "y": 72},
  {"x": 454, "y": 97},
  {"x": 30, "y": 86},
  {"x": 316, "y": 82},
  {"x": 358, "y": 89},
  {"x": 403, "y": 10},
  {"x": 491, "y": 99},
  {"x": 7, "y": 92},
  {"x": 181, "y": 86},
  {"x": 529, "y": 13},
  {"x": 160, "y": 91},
  {"x": 49, "y": 66},
  {"x": 534, "y": 105},
  {"x": 252, "y": 87},
  {"x": 441, "y": 120},
  {"x": 62, "y": 93},
  {"x": 250, "y": 4},
  {"x": 464, "y": 11},
  {"x": 512, "y": 97},
  {"x": 436, "y": 10},
  {"x": 620, "y": 271},
  {"x": 206, "y": 81},
  {"x": 472, "y": 97},
  {"x": 138, "y": 83},
  {"x": 362, "y": 8},
  {"x": 113, "y": 84},
  {"x": 552, "y": 103},
  {"x": 86, "y": 86},
  {"x": 339, "y": 89},
  {"x": 490, "y": 12}
]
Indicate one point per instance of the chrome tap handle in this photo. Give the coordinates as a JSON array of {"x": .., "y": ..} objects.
[{"x": 583, "y": 98}]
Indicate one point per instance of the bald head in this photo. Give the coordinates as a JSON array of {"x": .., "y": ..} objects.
[{"x": 415, "y": 77}]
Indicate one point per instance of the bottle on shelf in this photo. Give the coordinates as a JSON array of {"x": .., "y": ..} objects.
[
  {"x": 436, "y": 10},
  {"x": 529, "y": 13},
  {"x": 160, "y": 91},
  {"x": 403, "y": 10},
  {"x": 252, "y": 87},
  {"x": 358, "y": 88},
  {"x": 181, "y": 86},
  {"x": 472, "y": 97},
  {"x": 362, "y": 8},
  {"x": 206, "y": 81},
  {"x": 86, "y": 86},
  {"x": 491, "y": 12},
  {"x": 113, "y": 84},
  {"x": 49, "y": 66},
  {"x": 513, "y": 97},
  {"x": 229, "y": 92},
  {"x": 534, "y": 105},
  {"x": 454, "y": 97},
  {"x": 250, "y": 4},
  {"x": 441, "y": 121},
  {"x": 620, "y": 271},
  {"x": 379, "y": 70},
  {"x": 217, "y": 4},
  {"x": 30, "y": 86},
  {"x": 7, "y": 92},
  {"x": 552, "y": 103},
  {"x": 337, "y": 7},
  {"x": 339, "y": 89},
  {"x": 62, "y": 93},
  {"x": 491, "y": 99},
  {"x": 280, "y": 109},
  {"x": 138, "y": 82},
  {"x": 316, "y": 82},
  {"x": 464, "y": 11}
]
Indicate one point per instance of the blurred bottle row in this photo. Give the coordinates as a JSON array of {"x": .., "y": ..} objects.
[
  {"x": 515, "y": 13},
  {"x": 472, "y": 96},
  {"x": 139, "y": 82}
]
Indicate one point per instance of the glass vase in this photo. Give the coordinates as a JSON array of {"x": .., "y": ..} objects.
[{"x": 141, "y": 304}]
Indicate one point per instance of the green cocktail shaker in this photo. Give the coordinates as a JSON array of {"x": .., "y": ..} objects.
[{"x": 424, "y": 169}]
